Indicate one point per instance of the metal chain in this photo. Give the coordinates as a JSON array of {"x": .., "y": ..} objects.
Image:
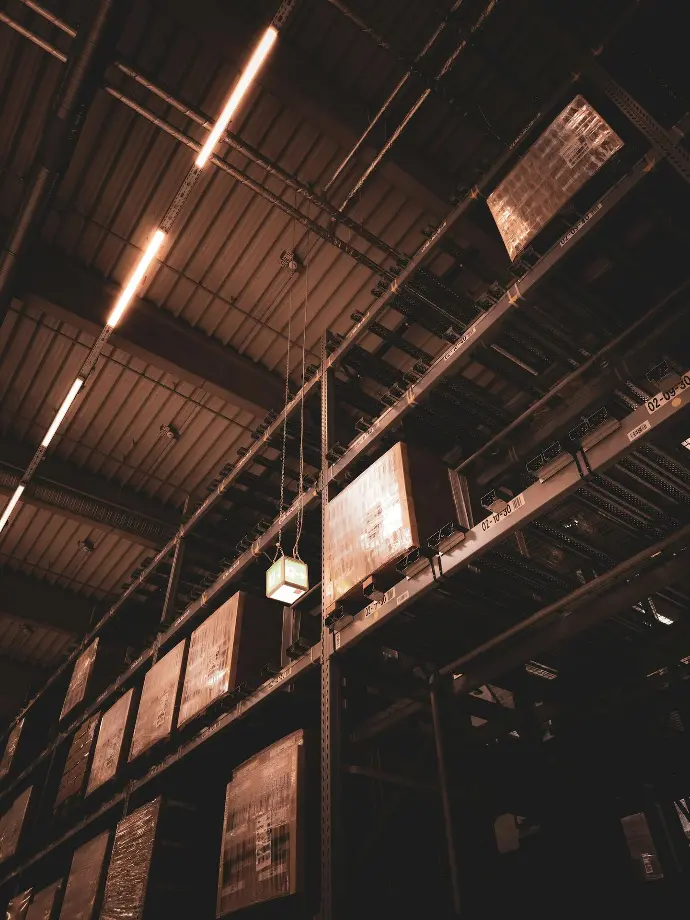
[
  {"x": 300, "y": 511},
  {"x": 279, "y": 543}
]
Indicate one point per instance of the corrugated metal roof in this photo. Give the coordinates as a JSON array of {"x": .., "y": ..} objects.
[
  {"x": 115, "y": 430},
  {"x": 46, "y": 545},
  {"x": 125, "y": 172},
  {"x": 221, "y": 274},
  {"x": 26, "y": 641},
  {"x": 229, "y": 240},
  {"x": 28, "y": 80}
]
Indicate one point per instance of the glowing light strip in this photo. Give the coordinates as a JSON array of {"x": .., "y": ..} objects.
[
  {"x": 136, "y": 278},
  {"x": 11, "y": 505},
  {"x": 138, "y": 275},
  {"x": 245, "y": 81},
  {"x": 62, "y": 411}
]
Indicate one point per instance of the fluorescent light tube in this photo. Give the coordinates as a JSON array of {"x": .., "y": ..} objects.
[
  {"x": 245, "y": 81},
  {"x": 135, "y": 279},
  {"x": 11, "y": 505},
  {"x": 62, "y": 411}
]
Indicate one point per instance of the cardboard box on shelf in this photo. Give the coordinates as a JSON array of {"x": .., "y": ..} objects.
[
  {"x": 110, "y": 742},
  {"x": 262, "y": 852},
  {"x": 81, "y": 675},
  {"x": 12, "y": 824},
  {"x": 78, "y": 761},
  {"x": 392, "y": 507},
  {"x": 85, "y": 880},
  {"x": 570, "y": 151},
  {"x": 11, "y": 749},
  {"x": 156, "y": 713},
  {"x": 641, "y": 846},
  {"x": 45, "y": 903},
  {"x": 18, "y": 906},
  {"x": 229, "y": 647},
  {"x": 151, "y": 873}
]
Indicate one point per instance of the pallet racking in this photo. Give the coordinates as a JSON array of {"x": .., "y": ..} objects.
[{"x": 342, "y": 633}]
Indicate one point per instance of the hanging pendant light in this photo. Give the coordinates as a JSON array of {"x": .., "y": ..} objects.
[
  {"x": 287, "y": 580},
  {"x": 288, "y": 577}
]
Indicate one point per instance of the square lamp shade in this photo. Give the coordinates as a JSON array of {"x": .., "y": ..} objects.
[{"x": 287, "y": 580}]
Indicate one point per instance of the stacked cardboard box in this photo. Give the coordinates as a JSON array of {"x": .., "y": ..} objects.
[
  {"x": 45, "y": 903},
  {"x": 11, "y": 749},
  {"x": 641, "y": 847},
  {"x": 81, "y": 675},
  {"x": 12, "y": 824},
  {"x": 571, "y": 150},
  {"x": 110, "y": 742},
  {"x": 151, "y": 871},
  {"x": 262, "y": 852},
  {"x": 230, "y": 647},
  {"x": 392, "y": 507},
  {"x": 156, "y": 714},
  {"x": 78, "y": 761},
  {"x": 18, "y": 906},
  {"x": 85, "y": 881}
]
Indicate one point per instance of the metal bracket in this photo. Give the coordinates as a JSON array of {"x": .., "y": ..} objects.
[
  {"x": 283, "y": 14},
  {"x": 582, "y": 463}
]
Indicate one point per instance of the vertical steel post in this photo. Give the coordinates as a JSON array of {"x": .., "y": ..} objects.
[
  {"x": 461, "y": 498},
  {"x": 445, "y": 795},
  {"x": 90, "y": 55},
  {"x": 331, "y": 863},
  {"x": 168, "y": 614}
]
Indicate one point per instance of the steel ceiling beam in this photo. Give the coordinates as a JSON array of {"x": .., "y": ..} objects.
[
  {"x": 75, "y": 493},
  {"x": 661, "y": 565},
  {"x": 44, "y": 604},
  {"x": 292, "y": 78},
  {"x": 90, "y": 54},
  {"x": 82, "y": 298},
  {"x": 483, "y": 330},
  {"x": 526, "y": 507}
]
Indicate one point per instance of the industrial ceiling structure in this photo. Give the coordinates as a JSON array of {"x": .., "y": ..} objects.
[
  {"x": 202, "y": 356},
  {"x": 343, "y": 223}
]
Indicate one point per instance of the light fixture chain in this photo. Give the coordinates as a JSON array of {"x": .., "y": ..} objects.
[{"x": 305, "y": 316}]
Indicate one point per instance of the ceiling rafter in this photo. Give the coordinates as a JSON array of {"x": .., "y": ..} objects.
[
  {"x": 86, "y": 497},
  {"x": 68, "y": 291}
]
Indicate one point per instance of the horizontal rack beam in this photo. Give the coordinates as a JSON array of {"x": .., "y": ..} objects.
[
  {"x": 242, "y": 563},
  {"x": 525, "y": 507},
  {"x": 486, "y": 181},
  {"x": 449, "y": 362},
  {"x": 242, "y": 464},
  {"x": 487, "y": 325},
  {"x": 284, "y": 677},
  {"x": 236, "y": 569},
  {"x": 651, "y": 570}
]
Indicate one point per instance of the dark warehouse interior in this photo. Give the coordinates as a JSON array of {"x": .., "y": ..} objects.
[{"x": 344, "y": 459}]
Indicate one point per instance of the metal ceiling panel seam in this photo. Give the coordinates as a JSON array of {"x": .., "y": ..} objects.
[
  {"x": 26, "y": 641},
  {"x": 47, "y": 540}
]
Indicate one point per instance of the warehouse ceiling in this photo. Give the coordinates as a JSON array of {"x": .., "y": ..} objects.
[{"x": 257, "y": 263}]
